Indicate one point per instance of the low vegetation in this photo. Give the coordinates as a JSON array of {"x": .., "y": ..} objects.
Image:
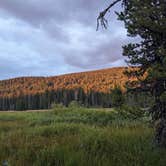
[{"x": 77, "y": 136}]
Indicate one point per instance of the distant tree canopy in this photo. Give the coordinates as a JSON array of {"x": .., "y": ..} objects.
[
  {"x": 98, "y": 81},
  {"x": 146, "y": 20}
]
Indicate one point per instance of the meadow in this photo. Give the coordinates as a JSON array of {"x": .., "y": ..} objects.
[{"x": 77, "y": 137}]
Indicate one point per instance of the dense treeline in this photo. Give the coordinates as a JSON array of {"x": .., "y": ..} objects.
[
  {"x": 91, "y": 89},
  {"x": 45, "y": 100}
]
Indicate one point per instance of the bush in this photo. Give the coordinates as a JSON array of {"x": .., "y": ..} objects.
[
  {"x": 132, "y": 111},
  {"x": 55, "y": 106},
  {"x": 74, "y": 104},
  {"x": 117, "y": 98}
]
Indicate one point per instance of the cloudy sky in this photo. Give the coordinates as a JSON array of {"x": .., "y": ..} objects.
[{"x": 52, "y": 37}]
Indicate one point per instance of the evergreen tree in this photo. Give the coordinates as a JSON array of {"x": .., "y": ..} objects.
[
  {"x": 146, "y": 19},
  {"x": 117, "y": 98},
  {"x": 20, "y": 105}
]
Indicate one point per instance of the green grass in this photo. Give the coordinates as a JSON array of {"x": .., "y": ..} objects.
[{"x": 77, "y": 137}]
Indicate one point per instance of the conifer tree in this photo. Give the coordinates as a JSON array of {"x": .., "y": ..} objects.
[
  {"x": 117, "y": 98},
  {"x": 146, "y": 20}
]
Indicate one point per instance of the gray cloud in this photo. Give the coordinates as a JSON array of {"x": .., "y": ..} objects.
[
  {"x": 37, "y": 11},
  {"x": 53, "y": 37}
]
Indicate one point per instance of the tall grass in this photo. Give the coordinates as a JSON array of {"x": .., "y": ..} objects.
[{"x": 76, "y": 137}]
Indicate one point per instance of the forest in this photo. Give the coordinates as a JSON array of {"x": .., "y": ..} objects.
[{"x": 91, "y": 89}]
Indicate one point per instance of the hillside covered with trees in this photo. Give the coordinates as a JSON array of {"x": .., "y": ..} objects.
[{"x": 89, "y": 88}]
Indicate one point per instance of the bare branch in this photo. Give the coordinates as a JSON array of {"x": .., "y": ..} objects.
[{"x": 101, "y": 18}]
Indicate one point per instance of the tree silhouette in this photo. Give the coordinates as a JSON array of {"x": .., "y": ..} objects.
[{"x": 146, "y": 19}]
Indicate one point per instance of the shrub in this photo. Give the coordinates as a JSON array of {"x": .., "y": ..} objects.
[
  {"x": 117, "y": 98},
  {"x": 57, "y": 107},
  {"x": 132, "y": 111},
  {"x": 74, "y": 104}
]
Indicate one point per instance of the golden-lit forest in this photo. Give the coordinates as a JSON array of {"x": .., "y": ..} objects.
[
  {"x": 91, "y": 88},
  {"x": 98, "y": 81}
]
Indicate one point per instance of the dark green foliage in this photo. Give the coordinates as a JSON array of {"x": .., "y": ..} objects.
[
  {"x": 65, "y": 97},
  {"x": 134, "y": 112},
  {"x": 74, "y": 104},
  {"x": 140, "y": 99},
  {"x": 20, "y": 104},
  {"x": 57, "y": 106},
  {"x": 146, "y": 20},
  {"x": 117, "y": 98}
]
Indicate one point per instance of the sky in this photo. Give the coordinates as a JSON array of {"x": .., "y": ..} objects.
[{"x": 53, "y": 37}]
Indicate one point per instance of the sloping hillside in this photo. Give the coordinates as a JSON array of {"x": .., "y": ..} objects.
[{"x": 98, "y": 81}]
